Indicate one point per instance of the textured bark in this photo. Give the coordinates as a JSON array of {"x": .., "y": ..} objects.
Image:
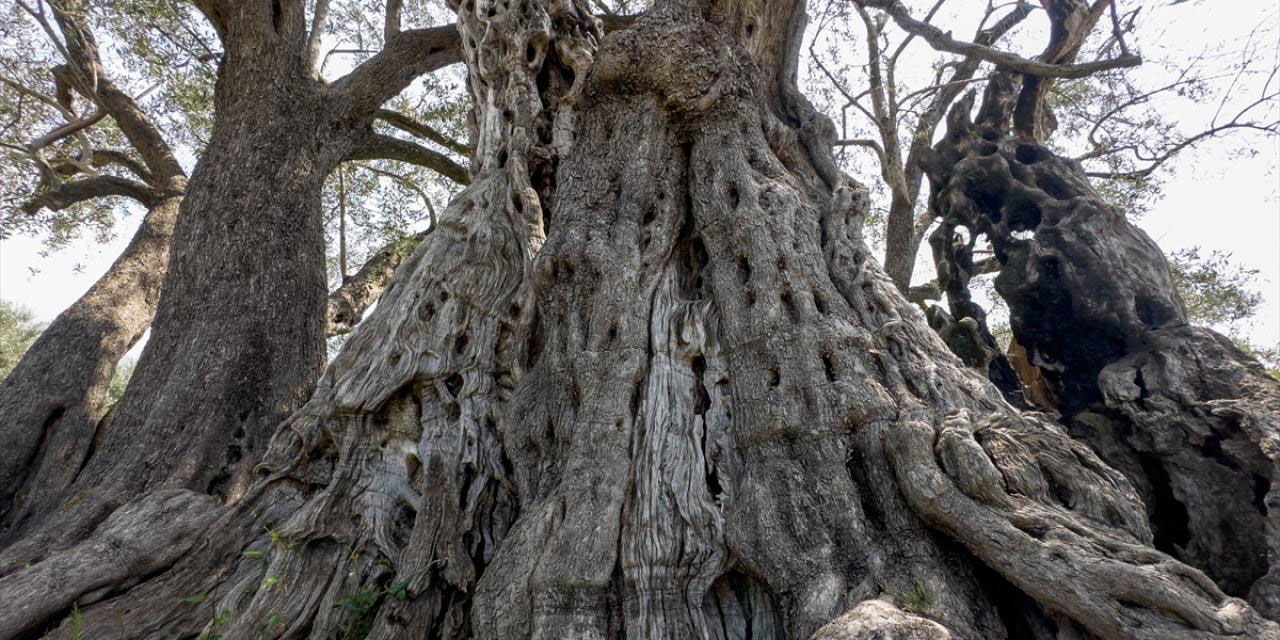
[
  {"x": 238, "y": 334},
  {"x": 238, "y": 337},
  {"x": 347, "y": 305},
  {"x": 53, "y": 399},
  {"x": 645, "y": 381},
  {"x": 51, "y": 403},
  {"x": 1186, "y": 416}
]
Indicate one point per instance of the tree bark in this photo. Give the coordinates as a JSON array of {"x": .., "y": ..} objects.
[
  {"x": 238, "y": 337},
  {"x": 645, "y": 381},
  {"x": 1186, "y": 416},
  {"x": 51, "y": 403},
  {"x": 348, "y": 304},
  {"x": 52, "y": 400}
]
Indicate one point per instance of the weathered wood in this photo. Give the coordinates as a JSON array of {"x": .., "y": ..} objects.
[
  {"x": 1186, "y": 416},
  {"x": 646, "y": 381}
]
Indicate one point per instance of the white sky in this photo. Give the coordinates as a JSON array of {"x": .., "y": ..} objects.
[{"x": 1213, "y": 198}]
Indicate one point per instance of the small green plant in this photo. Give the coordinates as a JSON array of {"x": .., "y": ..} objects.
[
  {"x": 196, "y": 598},
  {"x": 214, "y": 625},
  {"x": 361, "y": 604},
  {"x": 279, "y": 542},
  {"x": 273, "y": 620},
  {"x": 918, "y": 599},
  {"x": 75, "y": 621},
  {"x": 273, "y": 582}
]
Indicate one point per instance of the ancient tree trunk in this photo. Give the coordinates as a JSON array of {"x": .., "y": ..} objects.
[
  {"x": 1186, "y": 416},
  {"x": 238, "y": 339},
  {"x": 696, "y": 409}
]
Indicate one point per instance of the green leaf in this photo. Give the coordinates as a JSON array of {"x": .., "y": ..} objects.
[
  {"x": 401, "y": 590},
  {"x": 195, "y": 599},
  {"x": 252, "y": 554}
]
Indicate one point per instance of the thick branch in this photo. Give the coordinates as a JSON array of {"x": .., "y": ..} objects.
[
  {"x": 102, "y": 158},
  {"x": 422, "y": 130},
  {"x": 65, "y": 194},
  {"x": 407, "y": 55},
  {"x": 82, "y": 53},
  {"x": 413, "y": 53},
  {"x": 384, "y": 147},
  {"x": 65, "y": 130},
  {"x": 318, "y": 19},
  {"x": 391, "y": 22},
  {"x": 358, "y": 292}
]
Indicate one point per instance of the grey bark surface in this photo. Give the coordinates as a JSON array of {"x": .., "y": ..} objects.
[
  {"x": 349, "y": 302},
  {"x": 1185, "y": 415},
  {"x": 52, "y": 401},
  {"x": 645, "y": 381}
]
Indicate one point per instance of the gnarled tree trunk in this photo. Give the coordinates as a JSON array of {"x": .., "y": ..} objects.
[
  {"x": 238, "y": 337},
  {"x": 1185, "y": 415},
  {"x": 645, "y": 381}
]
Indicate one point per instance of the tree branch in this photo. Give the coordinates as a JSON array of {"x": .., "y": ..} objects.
[
  {"x": 378, "y": 146},
  {"x": 64, "y": 194},
  {"x": 391, "y": 21},
  {"x": 215, "y": 12},
  {"x": 65, "y": 130},
  {"x": 421, "y": 129},
  {"x": 318, "y": 19},
  {"x": 406, "y": 56},
  {"x": 410, "y": 54},
  {"x": 863, "y": 142},
  {"x": 86, "y": 67},
  {"x": 943, "y": 41},
  {"x": 349, "y": 302},
  {"x": 932, "y": 290},
  {"x": 67, "y": 167}
]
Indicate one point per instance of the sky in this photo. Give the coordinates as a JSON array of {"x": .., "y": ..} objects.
[{"x": 1214, "y": 197}]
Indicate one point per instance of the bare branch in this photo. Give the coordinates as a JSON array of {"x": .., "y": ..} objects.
[
  {"x": 405, "y": 182},
  {"x": 1156, "y": 161},
  {"x": 67, "y": 167},
  {"x": 318, "y": 20},
  {"x": 391, "y": 21},
  {"x": 357, "y": 293},
  {"x": 943, "y": 41},
  {"x": 422, "y": 130},
  {"x": 378, "y": 146},
  {"x": 62, "y": 195},
  {"x": 86, "y": 67},
  {"x": 863, "y": 142},
  {"x": 65, "y": 130}
]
